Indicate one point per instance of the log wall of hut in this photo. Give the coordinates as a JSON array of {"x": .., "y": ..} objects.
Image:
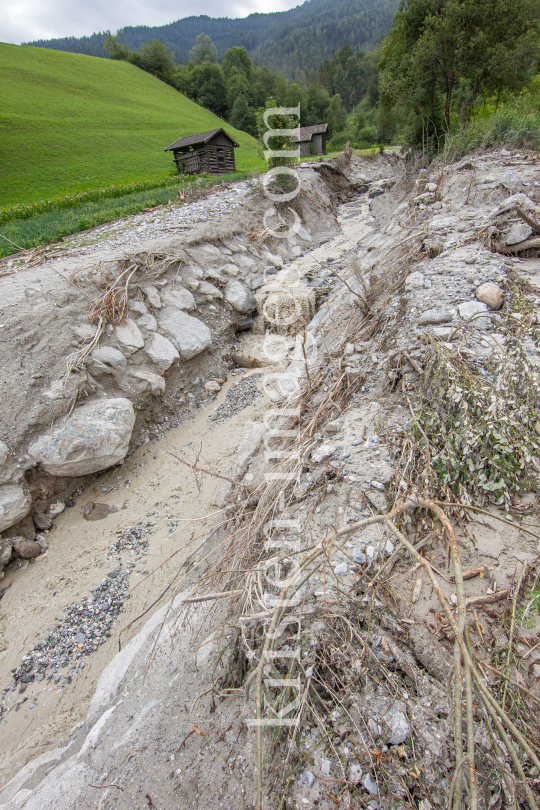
[{"x": 210, "y": 159}]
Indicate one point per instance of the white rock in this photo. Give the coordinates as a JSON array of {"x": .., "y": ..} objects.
[
  {"x": 189, "y": 335},
  {"x": 205, "y": 288},
  {"x": 4, "y": 450},
  {"x": 491, "y": 295},
  {"x": 470, "y": 308},
  {"x": 436, "y": 316},
  {"x": 230, "y": 270},
  {"x": 153, "y": 296},
  {"x": 179, "y": 298},
  {"x": 325, "y": 767},
  {"x": 129, "y": 335},
  {"x": 93, "y": 438},
  {"x": 147, "y": 322},
  {"x": 349, "y": 349},
  {"x": 308, "y": 779},
  {"x": 415, "y": 280},
  {"x": 240, "y": 297},
  {"x": 138, "y": 307},
  {"x": 399, "y": 727},
  {"x": 370, "y": 784},
  {"x": 161, "y": 352},
  {"x": 341, "y": 568},
  {"x": 518, "y": 233},
  {"x": 355, "y": 774},
  {"x": 84, "y": 331},
  {"x": 110, "y": 357},
  {"x": 14, "y": 505},
  {"x": 322, "y": 452},
  {"x": 153, "y": 382},
  {"x": 431, "y": 187}
]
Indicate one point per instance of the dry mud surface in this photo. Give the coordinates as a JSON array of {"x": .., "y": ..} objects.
[{"x": 165, "y": 722}]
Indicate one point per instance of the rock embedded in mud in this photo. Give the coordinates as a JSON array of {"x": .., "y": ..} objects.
[
  {"x": 240, "y": 297},
  {"x": 96, "y": 436},
  {"x": 518, "y": 233},
  {"x": 150, "y": 382},
  {"x": 491, "y": 295},
  {"x": 189, "y": 335},
  {"x": 148, "y": 322},
  {"x": 27, "y": 549},
  {"x": 5, "y": 551},
  {"x": 370, "y": 784},
  {"x": 14, "y": 505},
  {"x": 152, "y": 296},
  {"x": 129, "y": 335},
  {"x": 179, "y": 298},
  {"x": 323, "y": 452},
  {"x": 97, "y": 511},
  {"x": 399, "y": 727},
  {"x": 4, "y": 450},
  {"x": 471, "y": 308},
  {"x": 42, "y": 522},
  {"x": 161, "y": 352},
  {"x": 110, "y": 357},
  {"x": 436, "y": 317}
]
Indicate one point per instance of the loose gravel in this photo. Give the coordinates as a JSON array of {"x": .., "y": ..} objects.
[{"x": 239, "y": 396}]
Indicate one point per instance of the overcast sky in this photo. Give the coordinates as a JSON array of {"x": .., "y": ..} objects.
[{"x": 27, "y": 20}]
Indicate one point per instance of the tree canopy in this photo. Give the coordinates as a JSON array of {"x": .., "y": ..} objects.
[{"x": 441, "y": 56}]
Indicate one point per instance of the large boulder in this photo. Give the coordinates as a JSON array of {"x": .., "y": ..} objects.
[
  {"x": 187, "y": 334},
  {"x": 94, "y": 437},
  {"x": 240, "y": 297},
  {"x": 14, "y": 505}
]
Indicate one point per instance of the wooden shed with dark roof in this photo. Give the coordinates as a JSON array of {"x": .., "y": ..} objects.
[
  {"x": 210, "y": 152},
  {"x": 312, "y": 139}
]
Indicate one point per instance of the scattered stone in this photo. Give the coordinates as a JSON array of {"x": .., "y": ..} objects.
[
  {"x": 359, "y": 556},
  {"x": 370, "y": 784},
  {"x": 375, "y": 192},
  {"x": 399, "y": 727},
  {"x": 96, "y": 511},
  {"x": 27, "y": 549},
  {"x": 436, "y": 317},
  {"x": 4, "y": 450},
  {"x": 129, "y": 335},
  {"x": 334, "y": 427},
  {"x": 96, "y": 436},
  {"x": 415, "y": 280},
  {"x": 355, "y": 774},
  {"x": 133, "y": 540},
  {"x": 26, "y": 528},
  {"x": 138, "y": 307},
  {"x": 162, "y": 352},
  {"x": 5, "y": 551},
  {"x": 491, "y": 295},
  {"x": 205, "y": 288},
  {"x": 323, "y": 452},
  {"x": 212, "y": 385},
  {"x": 150, "y": 382},
  {"x": 244, "y": 360},
  {"x": 432, "y": 187},
  {"x": 179, "y": 298},
  {"x": 148, "y": 322},
  {"x": 240, "y": 297},
  {"x": 14, "y": 505},
  {"x": 518, "y": 233},
  {"x": 42, "y": 522},
  {"x": 110, "y": 357},
  {"x": 308, "y": 778},
  {"x": 342, "y": 568},
  {"x": 56, "y": 509},
  {"x": 189, "y": 335},
  {"x": 152, "y": 296},
  {"x": 349, "y": 349},
  {"x": 434, "y": 248},
  {"x": 326, "y": 766},
  {"x": 471, "y": 308}
]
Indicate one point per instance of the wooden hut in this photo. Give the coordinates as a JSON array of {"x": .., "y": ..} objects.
[
  {"x": 210, "y": 152},
  {"x": 312, "y": 140}
]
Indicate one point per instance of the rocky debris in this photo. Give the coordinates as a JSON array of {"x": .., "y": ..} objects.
[
  {"x": 110, "y": 357},
  {"x": 436, "y": 317},
  {"x": 491, "y": 295},
  {"x": 4, "y": 451},
  {"x": 96, "y": 436},
  {"x": 189, "y": 335},
  {"x": 239, "y": 396},
  {"x": 14, "y": 505},
  {"x": 470, "y": 309},
  {"x": 27, "y": 549},
  {"x": 86, "y": 624},
  {"x": 518, "y": 233},
  {"x": 98, "y": 511},
  {"x": 129, "y": 336},
  {"x": 161, "y": 352},
  {"x": 5, "y": 552},
  {"x": 133, "y": 540},
  {"x": 148, "y": 381},
  {"x": 240, "y": 297},
  {"x": 180, "y": 298},
  {"x": 213, "y": 386}
]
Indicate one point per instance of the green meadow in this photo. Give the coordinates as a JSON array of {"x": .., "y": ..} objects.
[{"x": 71, "y": 123}]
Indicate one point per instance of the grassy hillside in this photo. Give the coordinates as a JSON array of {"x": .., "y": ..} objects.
[{"x": 70, "y": 122}]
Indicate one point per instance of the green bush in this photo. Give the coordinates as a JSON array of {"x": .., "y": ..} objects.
[{"x": 367, "y": 136}]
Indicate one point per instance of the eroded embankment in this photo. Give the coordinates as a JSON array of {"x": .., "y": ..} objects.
[
  {"x": 425, "y": 288},
  {"x": 153, "y": 511}
]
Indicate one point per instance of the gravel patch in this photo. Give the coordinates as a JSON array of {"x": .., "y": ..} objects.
[{"x": 242, "y": 394}]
